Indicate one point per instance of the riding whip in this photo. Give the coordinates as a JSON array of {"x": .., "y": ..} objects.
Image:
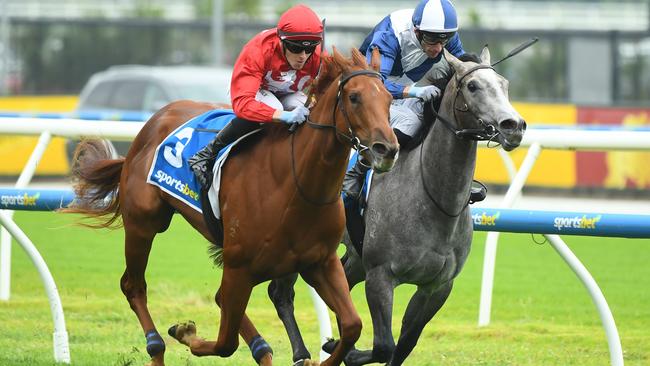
[{"x": 518, "y": 49}]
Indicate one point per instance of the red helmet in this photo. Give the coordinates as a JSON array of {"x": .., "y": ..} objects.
[{"x": 300, "y": 23}]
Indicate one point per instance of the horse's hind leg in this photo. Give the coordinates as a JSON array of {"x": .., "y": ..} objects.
[
  {"x": 281, "y": 293},
  {"x": 329, "y": 281},
  {"x": 421, "y": 309},
  {"x": 138, "y": 240}
]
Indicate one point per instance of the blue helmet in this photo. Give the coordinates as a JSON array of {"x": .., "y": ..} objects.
[{"x": 436, "y": 16}]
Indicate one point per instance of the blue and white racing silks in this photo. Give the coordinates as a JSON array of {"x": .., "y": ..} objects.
[{"x": 403, "y": 62}]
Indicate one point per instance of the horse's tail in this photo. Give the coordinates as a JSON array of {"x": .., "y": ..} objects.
[{"x": 96, "y": 175}]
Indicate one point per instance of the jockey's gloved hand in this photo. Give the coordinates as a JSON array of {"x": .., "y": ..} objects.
[
  {"x": 297, "y": 115},
  {"x": 426, "y": 93}
]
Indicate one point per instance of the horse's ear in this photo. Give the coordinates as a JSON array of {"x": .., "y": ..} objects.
[
  {"x": 340, "y": 60},
  {"x": 485, "y": 56},
  {"x": 455, "y": 63},
  {"x": 358, "y": 59},
  {"x": 375, "y": 60}
]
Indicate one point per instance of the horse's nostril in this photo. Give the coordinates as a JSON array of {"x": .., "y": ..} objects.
[
  {"x": 393, "y": 152},
  {"x": 379, "y": 149},
  {"x": 508, "y": 125},
  {"x": 523, "y": 125}
]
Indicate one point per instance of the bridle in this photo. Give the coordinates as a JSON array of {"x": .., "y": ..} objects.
[
  {"x": 349, "y": 138},
  {"x": 487, "y": 133}
]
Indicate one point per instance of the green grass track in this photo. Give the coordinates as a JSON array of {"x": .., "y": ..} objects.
[{"x": 542, "y": 315}]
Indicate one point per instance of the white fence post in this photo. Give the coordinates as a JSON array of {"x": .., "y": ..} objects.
[
  {"x": 613, "y": 340},
  {"x": 60, "y": 335},
  {"x": 5, "y": 239},
  {"x": 489, "y": 257},
  {"x": 323, "y": 320}
]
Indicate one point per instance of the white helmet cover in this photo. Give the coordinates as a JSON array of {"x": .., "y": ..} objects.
[{"x": 438, "y": 16}]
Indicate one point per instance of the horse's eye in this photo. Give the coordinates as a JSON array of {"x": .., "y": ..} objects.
[
  {"x": 471, "y": 86},
  {"x": 355, "y": 98}
]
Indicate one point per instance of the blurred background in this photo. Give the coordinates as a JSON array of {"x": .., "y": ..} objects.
[{"x": 590, "y": 67}]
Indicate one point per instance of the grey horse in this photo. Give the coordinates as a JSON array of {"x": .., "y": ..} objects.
[{"x": 418, "y": 227}]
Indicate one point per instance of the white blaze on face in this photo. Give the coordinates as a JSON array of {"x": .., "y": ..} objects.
[{"x": 495, "y": 95}]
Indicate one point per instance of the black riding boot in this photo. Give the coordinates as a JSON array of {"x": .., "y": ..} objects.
[
  {"x": 478, "y": 192},
  {"x": 353, "y": 180},
  {"x": 203, "y": 161}
]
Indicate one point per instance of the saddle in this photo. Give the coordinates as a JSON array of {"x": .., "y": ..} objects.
[{"x": 171, "y": 173}]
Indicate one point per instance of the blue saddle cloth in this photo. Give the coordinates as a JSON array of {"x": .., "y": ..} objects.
[{"x": 170, "y": 170}]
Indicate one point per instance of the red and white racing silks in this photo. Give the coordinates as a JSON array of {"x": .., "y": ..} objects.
[{"x": 262, "y": 65}]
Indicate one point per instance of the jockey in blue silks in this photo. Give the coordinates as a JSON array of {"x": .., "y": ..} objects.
[{"x": 410, "y": 42}]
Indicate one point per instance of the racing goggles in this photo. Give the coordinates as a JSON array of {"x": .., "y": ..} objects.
[
  {"x": 298, "y": 47},
  {"x": 431, "y": 38}
]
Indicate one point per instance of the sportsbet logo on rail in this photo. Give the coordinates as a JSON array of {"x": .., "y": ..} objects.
[
  {"x": 19, "y": 200},
  {"x": 576, "y": 222}
]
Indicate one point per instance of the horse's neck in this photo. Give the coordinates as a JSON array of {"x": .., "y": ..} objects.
[
  {"x": 448, "y": 162},
  {"x": 320, "y": 162},
  {"x": 320, "y": 158}
]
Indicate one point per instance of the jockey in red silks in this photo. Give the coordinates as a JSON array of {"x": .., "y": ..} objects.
[{"x": 268, "y": 82}]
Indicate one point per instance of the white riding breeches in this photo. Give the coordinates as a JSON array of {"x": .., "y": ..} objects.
[
  {"x": 406, "y": 115},
  {"x": 286, "y": 102}
]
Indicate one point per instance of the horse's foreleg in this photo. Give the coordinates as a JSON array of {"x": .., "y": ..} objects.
[
  {"x": 329, "y": 281},
  {"x": 380, "y": 285},
  {"x": 421, "y": 309},
  {"x": 260, "y": 350},
  {"x": 133, "y": 285},
  {"x": 235, "y": 291},
  {"x": 281, "y": 293}
]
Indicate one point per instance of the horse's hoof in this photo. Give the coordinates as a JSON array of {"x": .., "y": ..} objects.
[
  {"x": 179, "y": 331},
  {"x": 172, "y": 330},
  {"x": 330, "y": 345},
  {"x": 306, "y": 362}
]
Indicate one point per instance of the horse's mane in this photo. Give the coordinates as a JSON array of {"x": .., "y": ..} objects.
[
  {"x": 333, "y": 66},
  {"x": 428, "y": 116}
]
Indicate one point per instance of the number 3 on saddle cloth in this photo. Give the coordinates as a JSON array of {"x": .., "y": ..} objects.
[
  {"x": 354, "y": 209},
  {"x": 171, "y": 172}
]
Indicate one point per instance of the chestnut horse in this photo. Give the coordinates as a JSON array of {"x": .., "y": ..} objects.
[
  {"x": 418, "y": 224},
  {"x": 279, "y": 199}
]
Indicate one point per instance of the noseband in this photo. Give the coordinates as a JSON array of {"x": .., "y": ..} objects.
[
  {"x": 350, "y": 138},
  {"x": 487, "y": 133}
]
